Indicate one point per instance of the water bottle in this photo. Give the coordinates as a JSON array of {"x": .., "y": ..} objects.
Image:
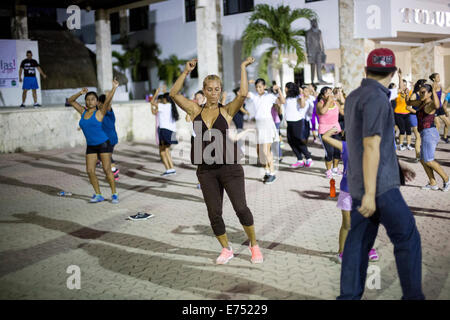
[
  {"x": 332, "y": 189},
  {"x": 64, "y": 194}
]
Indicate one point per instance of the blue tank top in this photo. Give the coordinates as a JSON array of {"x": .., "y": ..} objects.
[
  {"x": 344, "y": 186},
  {"x": 439, "y": 94},
  {"x": 109, "y": 126},
  {"x": 92, "y": 129}
]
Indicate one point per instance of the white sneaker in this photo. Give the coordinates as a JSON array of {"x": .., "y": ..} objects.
[
  {"x": 409, "y": 147},
  {"x": 446, "y": 186},
  {"x": 402, "y": 148},
  {"x": 430, "y": 187}
]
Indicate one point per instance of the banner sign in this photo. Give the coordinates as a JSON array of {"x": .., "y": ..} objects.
[{"x": 9, "y": 68}]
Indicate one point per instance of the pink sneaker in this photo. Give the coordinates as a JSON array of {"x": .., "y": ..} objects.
[
  {"x": 329, "y": 174},
  {"x": 257, "y": 256},
  {"x": 337, "y": 172},
  {"x": 225, "y": 256},
  {"x": 373, "y": 255},
  {"x": 308, "y": 163},
  {"x": 298, "y": 164}
]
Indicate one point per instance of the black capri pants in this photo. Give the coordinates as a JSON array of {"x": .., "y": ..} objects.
[
  {"x": 403, "y": 123},
  {"x": 331, "y": 153},
  {"x": 214, "y": 179}
]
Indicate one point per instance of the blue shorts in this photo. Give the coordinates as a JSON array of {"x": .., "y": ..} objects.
[
  {"x": 30, "y": 83},
  {"x": 413, "y": 119},
  {"x": 166, "y": 137},
  {"x": 430, "y": 138}
]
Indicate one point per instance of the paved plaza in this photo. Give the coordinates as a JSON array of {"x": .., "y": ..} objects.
[{"x": 171, "y": 256}]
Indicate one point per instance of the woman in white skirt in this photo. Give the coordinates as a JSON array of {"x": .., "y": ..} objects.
[{"x": 267, "y": 133}]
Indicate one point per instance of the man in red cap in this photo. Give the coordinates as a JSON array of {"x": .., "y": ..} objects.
[{"x": 374, "y": 181}]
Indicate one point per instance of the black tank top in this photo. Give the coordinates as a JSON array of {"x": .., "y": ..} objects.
[{"x": 212, "y": 148}]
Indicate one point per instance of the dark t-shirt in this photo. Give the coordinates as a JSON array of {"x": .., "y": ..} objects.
[
  {"x": 28, "y": 66},
  {"x": 368, "y": 112}
]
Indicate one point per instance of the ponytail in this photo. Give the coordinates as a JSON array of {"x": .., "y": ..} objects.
[{"x": 175, "y": 114}]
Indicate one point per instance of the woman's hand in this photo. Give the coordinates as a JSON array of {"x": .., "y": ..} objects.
[
  {"x": 247, "y": 62},
  {"x": 84, "y": 91},
  {"x": 190, "y": 65},
  {"x": 115, "y": 83}
]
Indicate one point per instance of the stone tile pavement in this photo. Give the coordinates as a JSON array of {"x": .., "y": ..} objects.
[{"x": 171, "y": 255}]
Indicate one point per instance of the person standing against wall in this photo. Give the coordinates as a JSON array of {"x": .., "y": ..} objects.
[{"x": 28, "y": 66}]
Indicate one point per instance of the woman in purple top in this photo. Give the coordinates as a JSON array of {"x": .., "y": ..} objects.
[{"x": 344, "y": 200}]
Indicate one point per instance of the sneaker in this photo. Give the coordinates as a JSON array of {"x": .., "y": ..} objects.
[
  {"x": 22, "y": 106},
  {"x": 98, "y": 164},
  {"x": 225, "y": 256},
  {"x": 141, "y": 216},
  {"x": 446, "y": 140},
  {"x": 309, "y": 163},
  {"x": 36, "y": 105},
  {"x": 409, "y": 147},
  {"x": 339, "y": 256},
  {"x": 270, "y": 179},
  {"x": 329, "y": 174},
  {"x": 257, "y": 256},
  {"x": 401, "y": 147},
  {"x": 373, "y": 256},
  {"x": 116, "y": 174},
  {"x": 446, "y": 186},
  {"x": 430, "y": 187},
  {"x": 96, "y": 198},
  {"x": 266, "y": 176},
  {"x": 298, "y": 164},
  {"x": 168, "y": 172},
  {"x": 115, "y": 198},
  {"x": 336, "y": 172}
]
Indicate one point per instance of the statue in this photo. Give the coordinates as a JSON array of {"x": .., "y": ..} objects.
[{"x": 315, "y": 51}]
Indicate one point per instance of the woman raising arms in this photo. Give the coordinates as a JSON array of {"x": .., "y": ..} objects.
[{"x": 217, "y": 170}]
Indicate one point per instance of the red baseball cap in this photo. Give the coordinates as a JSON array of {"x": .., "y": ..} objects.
[{"x": 381, "y": 59}]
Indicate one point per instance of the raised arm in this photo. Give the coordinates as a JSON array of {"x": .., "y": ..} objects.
[
  {"x": 437, "y": 103},
  {"x": 281, "y": 100},
  {"x": 411, "y": 102},
  {"x": 189, "y": 106},
  {"x": 322, "y": 108},
  {"x": 401, "y": 85},
  {"x": 233, "y": 107},
  {"x": 74, "y": 103},
  {"x": 104, "y": 107},
  {"x": 154, "y": 104}
]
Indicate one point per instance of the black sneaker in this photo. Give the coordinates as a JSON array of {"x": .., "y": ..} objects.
[
  {"x": 22, "y": 105},
  {"x": 445, "y": 139},
  {"x": 36, "y": 105},
  {"x": 141, "y": 216},
  {"x": 266, "y": 176},
  {"x": 270, "y": 179}
]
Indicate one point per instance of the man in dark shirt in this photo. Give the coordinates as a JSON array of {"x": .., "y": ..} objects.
[
  {"x": 374, "y": 181},
  {"x": 28, "y": 66}
]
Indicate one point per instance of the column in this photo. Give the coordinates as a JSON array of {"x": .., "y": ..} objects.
[
  {"x": 423, "y": 61},
  {"x": 208, "y": 30},
  {"x": 354, "y": 52},
  {"x": 20, "y": 23},
  {"x": 103, "y": 53},
  {"x": 123, "y": 18}
]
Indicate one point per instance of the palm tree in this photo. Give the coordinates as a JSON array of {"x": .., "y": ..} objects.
[
  {"x": 169, "y": 69},
  {"x": 274, "y": 24}
]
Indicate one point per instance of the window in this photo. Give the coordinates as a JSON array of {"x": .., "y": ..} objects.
[
  {"x": 139, "y": 18},
  {"x": 237, "y": 6},
  {"x": 115, "y": 23},
  {"x": 189, "y": 10}
]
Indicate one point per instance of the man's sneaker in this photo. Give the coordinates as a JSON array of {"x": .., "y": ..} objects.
[
  {"x": 446, "y": 140},
  {"x": 329, "y": 174},
  {"x": 140, "y": 216},
  {"x": 409, "y": 147},
  {"x": 309, "y": 163},
  {"x": 168, "y": 172},
  {"x": 22, "y": 105},
  {"x": 339, "y": 256},
  {"x": 298, "y": 164},
  {"x": 271, "y": 179},
  {"x": 430, "y": 187},
  {"x": 115, "y": 198},
  {"x": 257, "y": 256},
  {"x": 96, "y": 198},
  {"x": 266, "y": 176},
  {"x": 225, "y": 256},
  {"x": 336, "y": 172},
  {"x": 446, "y": 186},
  {"x": 373, "y": 255},
  {"x": 401, "y": 147},
  {"x": 36, "y": 105}
]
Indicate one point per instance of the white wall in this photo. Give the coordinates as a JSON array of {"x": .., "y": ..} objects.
[{"x": 13, "y": 96}]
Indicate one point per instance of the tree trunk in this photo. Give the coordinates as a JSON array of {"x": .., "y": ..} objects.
[{"x": 280, "y": 69}]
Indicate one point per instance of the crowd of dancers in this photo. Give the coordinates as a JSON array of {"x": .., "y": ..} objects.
[{"x": 358, "y": 129}]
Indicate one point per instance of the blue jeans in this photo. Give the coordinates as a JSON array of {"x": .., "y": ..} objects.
[{"x": 393, "y": 212}]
